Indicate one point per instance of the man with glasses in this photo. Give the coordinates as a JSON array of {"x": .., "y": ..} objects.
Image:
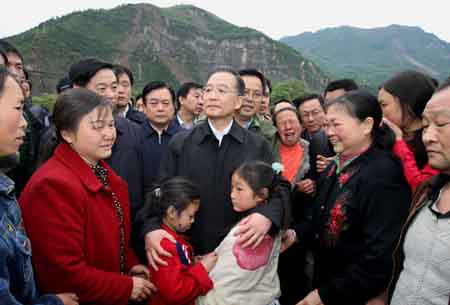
[
  {"x": 312, "y": 115},
  {"x": 247, "y": 116},
  {"x": 208, "y": 154}
]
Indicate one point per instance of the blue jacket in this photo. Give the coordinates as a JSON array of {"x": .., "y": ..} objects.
[
  {"x": 154, "y": 147},
  {"x": 17, "y": 284}
]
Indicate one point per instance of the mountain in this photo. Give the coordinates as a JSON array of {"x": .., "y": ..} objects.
[
  {"x": 176, "y": 44},
  {"x": 371, "y": 56}
]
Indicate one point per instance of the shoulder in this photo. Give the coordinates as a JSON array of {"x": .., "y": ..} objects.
[{"x": 383, "y": 163}]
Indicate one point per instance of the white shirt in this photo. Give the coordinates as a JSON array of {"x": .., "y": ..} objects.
[{"x": 220, "y": 134}]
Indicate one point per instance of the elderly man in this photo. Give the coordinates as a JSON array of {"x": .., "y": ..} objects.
[
  {"x": 208, "y": 154},
  {"x": 422, "y": 275}
]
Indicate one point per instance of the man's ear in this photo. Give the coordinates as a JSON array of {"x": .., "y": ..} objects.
[{"x": 238, "y": 103}]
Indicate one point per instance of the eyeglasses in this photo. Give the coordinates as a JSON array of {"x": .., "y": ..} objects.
[
  {"x": 254, "y": 94},
  {"x": 221, "y": 91},
  {"x": 313, "y": 114}
]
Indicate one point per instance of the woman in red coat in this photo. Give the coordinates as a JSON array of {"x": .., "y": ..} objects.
[{"x": 76, "y": 210}]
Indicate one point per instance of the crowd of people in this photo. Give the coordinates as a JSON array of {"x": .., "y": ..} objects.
[{"x": 214, "y": 194}]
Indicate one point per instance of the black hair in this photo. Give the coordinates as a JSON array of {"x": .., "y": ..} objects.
[
  {"x": 120, "y": 70},
  {"x": 260, "y": 175},
  {"x": 269, "y": 86},
  {"x": 304, "y": 98},
  {"x": 346, "y": 83},
  {"x": 276, "y": 113},
  {"x": 184, "y": 89},
  {"x": 361, "y": 104},
  {"x": 257, "y": 74},
  {"x": 413, "y": 90},
  {"x": 4, "y": 74},
  {"x": 240, "y": 85},
  {"x": 3, "y": 55},
  {"x": 70, "y": 107},
  {"x": 155, "y": 85},
  {"x": 177, "y": 192},
  {"x": 81, "y": 72},
  {"x": 7, "y": 47}
]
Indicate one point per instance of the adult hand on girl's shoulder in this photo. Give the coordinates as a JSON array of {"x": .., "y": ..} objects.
[
  {"x": 252, "y": 229},
  {"x": 140, "y": 271},
  {"x": 288, "y": 239},
  {"x": 153, "y": 247},
  {"x": 68, "y": 298},
  {"x": 313, "y": 298},
  {"x": 209, "y": 260}
]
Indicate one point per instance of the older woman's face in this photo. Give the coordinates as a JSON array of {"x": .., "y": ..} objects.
[
  {"x": 347, "y": 134},
  {"x": 12, "y": 122},
  {"x": 289, "y": 127},
  {"x": 95, "y": 136}
]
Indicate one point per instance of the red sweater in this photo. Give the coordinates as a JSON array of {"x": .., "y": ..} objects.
[
  {"x": 74, "y": 230},
  {"x": 181, "y": 281},
  {"x": 413, "y": 174}
]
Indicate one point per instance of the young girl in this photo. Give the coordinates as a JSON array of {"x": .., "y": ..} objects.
[
  {"x": 243, "y": 275},
  {"x": 180, "y": 282}
]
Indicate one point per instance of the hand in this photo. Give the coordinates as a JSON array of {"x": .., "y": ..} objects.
[
  {"x": 209, "y": 261},
  {"x": 252, "y": 230},
  {"x": 379, "y": 300},
  {"x": 322, "y": 163},
  {"x": 288, "y": 239},
  {"x": 140, "y": 271},
  {"x": 68, "y": 298},
  {"x": 142, "y": 289},
  {"x": 154, "y": 249},
  {"x": 307, "y": 186},
  {"x": 312, "y": 298},
  {"x": 397, "y": 131}
]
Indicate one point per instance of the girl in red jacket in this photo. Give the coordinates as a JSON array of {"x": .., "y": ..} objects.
[
  {"x": 402, "y": 99},
  {"x": 183, "y": 279}
]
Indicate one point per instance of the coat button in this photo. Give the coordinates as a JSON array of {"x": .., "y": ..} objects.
[
  {"x": 317, "y": 236},
  {"x": 322, "y": 207}
]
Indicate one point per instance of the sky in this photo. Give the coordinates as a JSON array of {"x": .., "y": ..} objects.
[{"x": 274, "y": 18}]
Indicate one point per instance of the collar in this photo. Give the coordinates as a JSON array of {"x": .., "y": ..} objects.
[
  {"x": 433, "y": 208},
  {"x": 6, "y": 184},
  {"x": 341, "y": 164},
  {"x": 220, "y": 134},
  {"x": 70, "y": 158},
  {"x": 173, "y": 233},
  {"x": 204, "y": 130},
  {"x": 255, "y": 122},
  {"x": 183, "y": 124},
  {"x": 172, "y": 129},
  {"x": 436, "y": 185}
]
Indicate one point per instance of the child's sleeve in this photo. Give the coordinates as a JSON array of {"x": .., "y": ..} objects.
[
  {"x": 178, "y": 283},
  {"x": 413, "y": 174}
]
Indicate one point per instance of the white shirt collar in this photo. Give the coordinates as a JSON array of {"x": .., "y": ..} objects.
[{"x": 220, "y": 134}]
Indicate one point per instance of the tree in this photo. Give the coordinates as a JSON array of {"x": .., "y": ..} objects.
[{"x": 289, "y": 90}]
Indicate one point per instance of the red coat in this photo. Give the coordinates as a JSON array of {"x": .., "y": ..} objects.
[
  {"x": 74, "y": 230},
  {"x": 413, "y": 174},
  {"x": 181, "y": 281}
]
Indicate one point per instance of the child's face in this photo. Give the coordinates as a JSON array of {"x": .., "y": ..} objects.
[
  {"x": 242, "y": 196},
  {"x": 181, "y": 222}
]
